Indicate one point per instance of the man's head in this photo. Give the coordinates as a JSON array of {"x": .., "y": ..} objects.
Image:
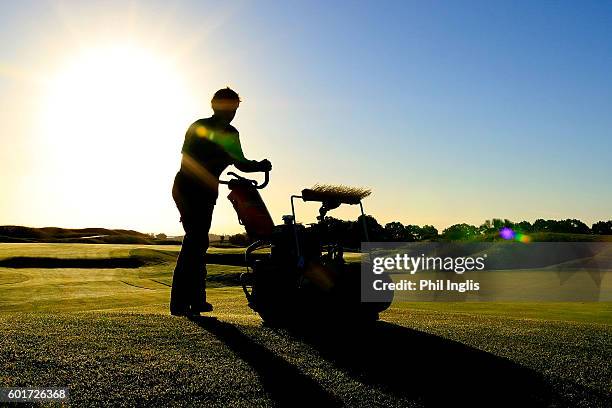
[{"x": 224, "y": 103}]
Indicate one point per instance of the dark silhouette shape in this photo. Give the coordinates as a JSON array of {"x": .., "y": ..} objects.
[
  {"x": 428, "y": 368},
  {"x": 210, "y": 146},
  {"x": 412, "y": 365},
  {"x": 602, "y": 228},
  {"x": 284, "y": 382},
  {"x": 80, "y": 263}
]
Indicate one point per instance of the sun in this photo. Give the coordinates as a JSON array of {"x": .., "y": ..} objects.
[{"x": 111, "y": 118}]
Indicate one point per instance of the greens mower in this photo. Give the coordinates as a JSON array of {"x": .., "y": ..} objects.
[{"x": 304, "y": 277}]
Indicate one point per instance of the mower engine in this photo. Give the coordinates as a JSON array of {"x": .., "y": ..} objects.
[{"x": 304, "y": 277}]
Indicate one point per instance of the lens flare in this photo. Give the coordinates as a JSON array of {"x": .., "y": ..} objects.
[
  {"x": 506, "y": 233},
  {"x": 522, "y": 238}
]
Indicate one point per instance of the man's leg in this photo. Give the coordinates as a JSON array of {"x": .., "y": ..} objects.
[
  {"x": 198, "y": 302},
  {"x": 179, "y": 296},
  {"x": 188, "y": 260},
  {"x": 189, "y": 280}
]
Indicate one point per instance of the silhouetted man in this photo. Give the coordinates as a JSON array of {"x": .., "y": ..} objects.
[{"x": 210, "y": 146}]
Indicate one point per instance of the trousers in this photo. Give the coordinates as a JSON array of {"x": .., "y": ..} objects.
[{"x": 189, "y": 278}]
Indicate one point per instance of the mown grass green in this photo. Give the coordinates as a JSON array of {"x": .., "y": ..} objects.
[{"x": 107, "y": 334}]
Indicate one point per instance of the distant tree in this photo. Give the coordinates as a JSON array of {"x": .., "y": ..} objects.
[
  {"x": 570, "y": 226},
  {"x": 395, "y": 231},
  {"x": 412, "y": 233},
  {"x": 239, "y": 239},
  {"x": 161, "y": 236},
  {"x": 497, "y": 223},
  {"x": 376, "y": 232},
  {"x": 523, "y": 226},
  {"x": 602, "y": 228},
  {"x": 460, "y": 232},
  {"x": 428, "y": 232},
  {"x": 341, "y": 231},
  {"x": 486, "y": 227},
  {"x": 222, "y": 238},
  {"x": 575, "y": 226},
  {"x": 541, "y": 225},
  {"x": 494, "y": 225}
]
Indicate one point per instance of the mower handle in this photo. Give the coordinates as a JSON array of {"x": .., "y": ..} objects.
[{"x": 253, "y": 182}]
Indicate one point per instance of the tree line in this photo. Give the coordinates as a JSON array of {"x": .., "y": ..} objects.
[{"x": 350, "y": 233}]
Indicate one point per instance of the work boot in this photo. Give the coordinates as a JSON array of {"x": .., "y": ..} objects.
[
  {"x": 179, "y": 311},
  {"x": 202, "y": 308}
]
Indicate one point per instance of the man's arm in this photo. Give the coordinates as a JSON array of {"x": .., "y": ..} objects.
[{"x": 245, "y": 165}]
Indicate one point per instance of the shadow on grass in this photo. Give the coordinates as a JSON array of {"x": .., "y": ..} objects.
[
  {"x": 282, "y": 381},
  {"x": 427, "y": 368},
  {"x": 80, "y": 263}
]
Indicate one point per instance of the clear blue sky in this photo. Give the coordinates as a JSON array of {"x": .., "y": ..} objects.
[{"x": 451, "y": 111}]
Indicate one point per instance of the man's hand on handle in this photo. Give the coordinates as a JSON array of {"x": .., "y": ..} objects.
[
  {"x": 252, "y": 166},
  {"x": 265, "y": 165}
]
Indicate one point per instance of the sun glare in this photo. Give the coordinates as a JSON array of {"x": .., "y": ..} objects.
[{"x": 111, "y": 119}]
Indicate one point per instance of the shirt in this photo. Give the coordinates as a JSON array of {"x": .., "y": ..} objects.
[
  {"x": 208, "y": 149},
  {"x": 212, "y": 145}
]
